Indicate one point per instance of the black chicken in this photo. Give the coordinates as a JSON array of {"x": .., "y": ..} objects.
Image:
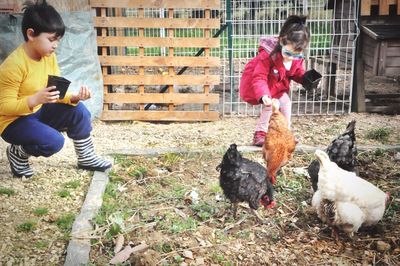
[
  {"x": 243, "y": 180},
  {"x": 342, "y": 151}
]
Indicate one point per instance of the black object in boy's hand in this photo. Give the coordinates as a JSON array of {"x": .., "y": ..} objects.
[
  {"x": 311, "y": 79},
  {"x": 61, "y": 84}
]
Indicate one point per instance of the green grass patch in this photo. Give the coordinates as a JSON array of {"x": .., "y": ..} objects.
[
  {"x": 380, "y": 134},
  {"x": 65, "y": 222},
  {"x": 27, "y": 226},
  {"x": 176, "y": 225},
  {"x": 40, "y": 211},
  {"x": 6, "y": 191},
  {"x": 41, "y": 244},
  {"x": 220, "y": 259},
  {"x": 138, "y": 172},
  {"x": 171, "y": 159},
  {"x": 215, "y": 188},
  {"x": 164, "y": 247},
  {"x": 63, "y": 193},
  {"x": 204, "y": 210}
]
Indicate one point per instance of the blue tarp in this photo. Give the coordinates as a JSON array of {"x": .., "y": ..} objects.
[{"x": 76, "y": 54}]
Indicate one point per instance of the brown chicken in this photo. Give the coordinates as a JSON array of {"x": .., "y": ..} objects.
[{"x": 279, "y": 142}]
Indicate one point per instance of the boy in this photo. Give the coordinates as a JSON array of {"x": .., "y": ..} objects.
[{"x": 31, "y": 114}]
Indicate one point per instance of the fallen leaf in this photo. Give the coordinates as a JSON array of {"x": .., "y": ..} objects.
[
  {"x": 119, "y": 242},
  {"x": 122, "y": 256}
]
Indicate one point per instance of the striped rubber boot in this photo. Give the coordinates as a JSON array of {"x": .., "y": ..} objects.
[
  {"x": 87, "y": 159},
  {"x": 18, "y": 160}
]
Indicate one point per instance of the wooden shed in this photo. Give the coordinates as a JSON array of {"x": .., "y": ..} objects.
[
  {"x": 380, "y": 31},
  {"x": 378, "y": 52},
  {"x": 381, "y": 49}
]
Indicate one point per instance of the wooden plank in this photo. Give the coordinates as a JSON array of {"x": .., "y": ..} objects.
[
  {"x": 389, "y": 109},
  {"x": 172, "y": 23},
  {"x": 171, "y": 53},
  {"x": 159, "y": 115},
  {"x": 141, "y": 53},
  {"x": 161, "y": 80},
  {"x": 392, "y": 71},
  {"x": 380, "y": 96},
  {"x": 393, "y": 61},
  {"x": 206, "y": 107},
  {"x": 383, "y": 7},
  {"x": 104, "y": 69},
  {"x": 382, "y": 58},
  {"x": 211, "y": 4},
  {"x": 160, "y": 61},
  {"x": 365, "y": 7},
  {"x": 358, "y": 93},
  {"x": 398, "y": 7},
  {"x": 157, "y": 42},
  {"x": 174, "y": 98}
]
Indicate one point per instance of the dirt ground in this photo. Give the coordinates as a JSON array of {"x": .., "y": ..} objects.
[
  {"x": 36, "y": 214},
  {"x": 173, "y": 203}
]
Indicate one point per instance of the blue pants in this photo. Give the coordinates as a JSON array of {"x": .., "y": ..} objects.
[{"x": 39, "y": 133}]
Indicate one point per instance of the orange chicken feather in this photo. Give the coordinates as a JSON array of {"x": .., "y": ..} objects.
[{"x": 279, "y": 142}]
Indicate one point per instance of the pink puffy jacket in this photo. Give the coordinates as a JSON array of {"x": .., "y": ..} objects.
[{"x": 266, "y": 75}]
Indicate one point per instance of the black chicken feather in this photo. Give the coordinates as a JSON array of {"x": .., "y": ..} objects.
[
  {"x": 243, "y": 180},
  {"x": 342, "y": 151}
]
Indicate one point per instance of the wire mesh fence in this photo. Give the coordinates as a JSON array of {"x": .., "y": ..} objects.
[{"x": 331, "y": 51}]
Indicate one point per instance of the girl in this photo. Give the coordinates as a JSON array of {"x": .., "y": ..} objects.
[
  {"x": 32, "y": 115},
  {"x": 280, "y": 59}
]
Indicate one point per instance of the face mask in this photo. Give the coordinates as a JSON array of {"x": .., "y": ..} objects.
[{"x": 287, "y": 53}]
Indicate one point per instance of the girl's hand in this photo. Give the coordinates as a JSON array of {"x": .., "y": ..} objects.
[
  {"x": 46, "y": 95},
  {"x": 276, "y": 103},
  {"x": 83, "y": 94},
  {"x": 266, "y": 100}
]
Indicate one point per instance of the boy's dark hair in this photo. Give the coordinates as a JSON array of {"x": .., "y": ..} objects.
[
  {"x": 294, "y": 31},
  {"x": 41, "y": 17}
]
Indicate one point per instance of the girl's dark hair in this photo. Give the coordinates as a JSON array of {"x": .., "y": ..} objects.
[
  {"x": 295, "y": 32},
  {"x": 41, "y": 17}
]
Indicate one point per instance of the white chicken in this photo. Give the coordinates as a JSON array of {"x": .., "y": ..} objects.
[{"x": 345, "y": 201}]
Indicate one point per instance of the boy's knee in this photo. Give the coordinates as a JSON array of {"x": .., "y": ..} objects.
[
  {"x": 83, "y": 111},
  {"x": 54, "y": 146}
]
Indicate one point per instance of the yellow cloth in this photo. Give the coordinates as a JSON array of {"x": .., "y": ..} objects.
[{"x": 21, "y": 77}]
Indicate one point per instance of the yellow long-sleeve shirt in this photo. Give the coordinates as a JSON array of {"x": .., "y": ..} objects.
[{"x": 21, "y": 77}]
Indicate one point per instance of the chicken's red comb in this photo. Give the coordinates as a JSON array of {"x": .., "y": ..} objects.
[{"x": 271, "y": 205}]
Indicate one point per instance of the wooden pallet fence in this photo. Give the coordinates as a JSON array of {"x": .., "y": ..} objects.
[
  {"x": 383, "y": 6},
  {"x": 141, "y": 49}
]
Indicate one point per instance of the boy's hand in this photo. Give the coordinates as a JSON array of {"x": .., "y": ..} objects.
[
  {"x": 83, "y": 94},
  {"x": 46, "y": 95},
  {"x": 266, "y": 100}
]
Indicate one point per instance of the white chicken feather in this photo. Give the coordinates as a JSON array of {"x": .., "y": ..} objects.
[{"x": 345, "y": 200}]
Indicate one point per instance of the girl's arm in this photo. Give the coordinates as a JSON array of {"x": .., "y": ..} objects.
[
  {"x": 299, "y": 73},
  {"x": 260, "y": 77}
]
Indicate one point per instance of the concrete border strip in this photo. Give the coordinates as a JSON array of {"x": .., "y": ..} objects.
[{"x": 79, "y": 246}]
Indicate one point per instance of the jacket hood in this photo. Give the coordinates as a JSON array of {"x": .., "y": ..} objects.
[{"x": 268, "y": 44}]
